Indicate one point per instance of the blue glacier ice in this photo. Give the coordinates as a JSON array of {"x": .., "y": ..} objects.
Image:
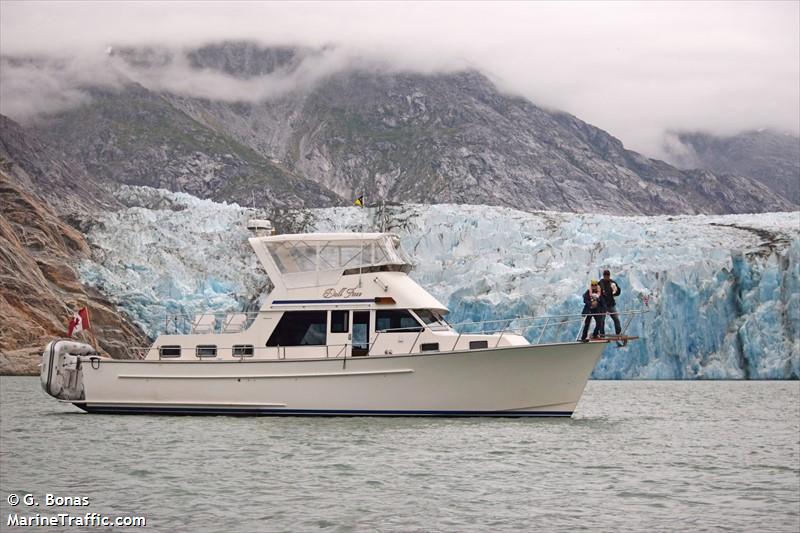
[{"x": 723, "y": 291}]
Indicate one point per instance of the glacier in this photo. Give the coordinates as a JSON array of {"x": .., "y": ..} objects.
[{"x": 722, "y": 292}]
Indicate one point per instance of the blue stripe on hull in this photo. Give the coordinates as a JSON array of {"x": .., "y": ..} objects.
[
  {"x": 236, "y": 411},
  {"x": 327, "y": 301}
]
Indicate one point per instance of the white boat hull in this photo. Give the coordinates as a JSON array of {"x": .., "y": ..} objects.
[{"x": 535, "y": 380}]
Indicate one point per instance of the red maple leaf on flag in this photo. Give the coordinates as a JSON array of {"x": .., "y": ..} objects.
[{"x": 79, "y": 322}]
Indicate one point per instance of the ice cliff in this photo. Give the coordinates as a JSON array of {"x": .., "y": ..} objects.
[{"x": 723, "y": 291}]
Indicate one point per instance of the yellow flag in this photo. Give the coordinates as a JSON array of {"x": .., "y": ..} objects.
[{"x": 359, "y": 201}]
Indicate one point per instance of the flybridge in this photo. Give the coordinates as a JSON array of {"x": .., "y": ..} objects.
[
  {"x": 304, "y": 260},
  {"x": 338, "y": 271}
]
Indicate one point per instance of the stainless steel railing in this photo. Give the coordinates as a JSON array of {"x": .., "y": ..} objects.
[
  {"x": 211, "y": 322},
  {"x": 537, "y": 330},
  {"x": 524, "y": 325}
]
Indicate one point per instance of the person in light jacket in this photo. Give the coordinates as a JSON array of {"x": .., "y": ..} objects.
[{"x": 594, "y": 306}]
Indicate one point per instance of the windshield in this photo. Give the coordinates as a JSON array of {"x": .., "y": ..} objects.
[
  {"x": 431, "y": 318},
  {"x": 308, "y": 256}
]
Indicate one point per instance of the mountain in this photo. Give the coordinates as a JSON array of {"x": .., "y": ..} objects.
[
  {"x": 44, "y": 170},
  {"x": 39, "y": 286},
  {"x": 393, "y": 136},
  {"x": 47, "y": 201},
  {"x": 771, "y": 158},
  {"x": 134, "y": 136},
  {"x": 454, "y": 138}
]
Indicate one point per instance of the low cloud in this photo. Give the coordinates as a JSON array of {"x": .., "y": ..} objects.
[
  {"x": 45, "y": 84},
  {"x": 636, "y": 70},
  {"x": 678, "y": 153},
  {"x": 41, "y": 85},
  {"x": 178, "y": 75},
  {"x": 33, "y": 86}
]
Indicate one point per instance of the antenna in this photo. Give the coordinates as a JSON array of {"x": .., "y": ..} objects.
[
  {"x": 384, "y": 215},
  {"x": 361, "y": 237}
]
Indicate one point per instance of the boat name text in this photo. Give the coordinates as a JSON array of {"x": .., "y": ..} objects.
[{"x": 344, "y": 292}]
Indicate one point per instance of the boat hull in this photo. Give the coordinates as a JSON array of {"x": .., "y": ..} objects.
[{"x": 539, "y": 380}]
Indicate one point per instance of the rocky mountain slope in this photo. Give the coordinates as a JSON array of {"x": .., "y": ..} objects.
[
  {"x": 47, "y": 201},
  {"x": 393, "y": 136},
  {"x": 38, "y": 285},
  {"x": 44, "y": 170},
  {"x": 772, "y": 158},
  {"x": 134, "y": 136},
  {"x": 454, "y": 138}
]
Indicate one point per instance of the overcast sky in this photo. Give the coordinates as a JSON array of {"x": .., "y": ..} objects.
[{"x": 635, "y": 69}]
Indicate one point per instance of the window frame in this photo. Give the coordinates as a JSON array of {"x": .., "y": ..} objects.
[
  {"x": 198, "y": 348},
  {"x": 235, "y": 347},
  {"x": 346, "y": 313},
  {"x": 419, "y": 327},
  {"x": 162, "y": 349},
  {"x": 287, "y": 316},
  {"x": 479, "y": 345},
  {"x": 437, "y": 324}
]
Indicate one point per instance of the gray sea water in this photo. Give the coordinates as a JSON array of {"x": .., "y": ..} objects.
[{"x": 637, "y": 456}]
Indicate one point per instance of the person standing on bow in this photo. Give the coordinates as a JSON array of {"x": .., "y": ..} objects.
[
  {"x": 594, "y": 305},
  {"x": 610, "y": 289}
]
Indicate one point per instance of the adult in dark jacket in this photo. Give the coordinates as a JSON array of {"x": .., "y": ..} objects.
[
  {"x": 594, "y": 306},
  {"x": 610, "y": 288}
]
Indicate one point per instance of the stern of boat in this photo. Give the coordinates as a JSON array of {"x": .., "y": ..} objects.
[{"x": 61, "y": 370}]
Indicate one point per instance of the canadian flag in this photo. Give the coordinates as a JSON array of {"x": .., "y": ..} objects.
[{"x": 79, "y": 322}]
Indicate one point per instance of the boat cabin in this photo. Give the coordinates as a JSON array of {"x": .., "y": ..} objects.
[{"x": 336, "y": 295}]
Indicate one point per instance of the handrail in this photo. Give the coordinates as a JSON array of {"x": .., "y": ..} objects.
[
  {"x": 543, "y": 329},
  {"x": 373, "y": 342},
  {"x": 546, "y": 317},
  {"x": 217, "y": 322},
  {"x": 511, "y": 326},
  {"x": 187, "y": 319},
  {"x": 456, "y": 343},
  {"x": 411, "y": 350}
]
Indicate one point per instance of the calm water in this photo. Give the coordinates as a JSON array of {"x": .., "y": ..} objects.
[{"x": 663, "y": 456}]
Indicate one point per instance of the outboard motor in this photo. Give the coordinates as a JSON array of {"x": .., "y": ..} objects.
[{"x": 61, "y": 369}]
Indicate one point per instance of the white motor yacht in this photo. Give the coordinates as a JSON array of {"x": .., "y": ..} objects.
[{"x": 345, "y": 331}]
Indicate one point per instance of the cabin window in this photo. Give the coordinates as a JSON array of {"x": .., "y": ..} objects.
[
  {"x": 243, "y": 350},
  {"x": 293, "y": 257},
  {"x": 429, "y": 347},
  {"x": 300, "y": 328},
  {"x": 396, "y": 321},
  {"x": 340, "y": 321},
  {"x": 334, "y": 256},
  {"x": 478, "y": 345},
  {"x": 206, "y": 350},
  {"x": 169, "y": 351},
  {"x": 298, "y": 256},
  {"x": 431, "y": 318}
]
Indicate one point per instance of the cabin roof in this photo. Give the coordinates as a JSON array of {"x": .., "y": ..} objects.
[{"x": 315, "y": 237}]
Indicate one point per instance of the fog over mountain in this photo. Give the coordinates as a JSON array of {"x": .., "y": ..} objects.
[
  {"x": 396, "y": 136},
  {"x": 636, "y": 70},
  {"x": 772, "y": 158}
]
